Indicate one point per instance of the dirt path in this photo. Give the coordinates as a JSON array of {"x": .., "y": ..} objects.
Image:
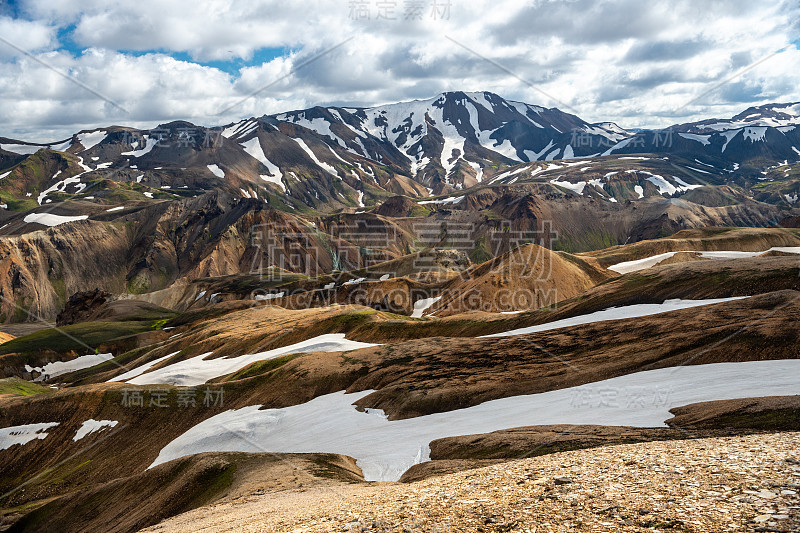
[{"x": 707, "y": 485}]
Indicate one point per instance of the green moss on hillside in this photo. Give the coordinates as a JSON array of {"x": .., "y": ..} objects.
[{"x": 20, "y": 387}]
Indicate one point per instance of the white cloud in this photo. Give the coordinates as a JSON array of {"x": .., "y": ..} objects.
[
  {"x": 624, "y": 60},
  {"x": 28, "y": 35}
]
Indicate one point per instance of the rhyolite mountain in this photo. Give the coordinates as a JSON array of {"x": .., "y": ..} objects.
[
  {"x": 757, "y": 137},
  {"x": 133, "y": 211},
  {"x": 329, "y": 158}
]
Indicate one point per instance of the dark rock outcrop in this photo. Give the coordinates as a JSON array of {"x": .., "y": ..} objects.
[{"x": 80, "y": 306}]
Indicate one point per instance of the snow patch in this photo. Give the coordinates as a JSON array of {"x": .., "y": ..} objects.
[
  {"x": 57, "y": 368},
  {"x": 728, "y": 136},
  {"x": 478, "y": 171},
  {"x": 150, "y": 143},
  {"x": 49, "y": 219},
  {"x": 139, "y": 370},
  {"x": 325, "y": 166},
  {"x": 453, "y": 200},
  {"x": 92, "y": 425},
  {"x": 614, "y": 313},
  {"x": 271, "y": 296},
  {"x": 685, "y": 185},
  {"x": 21, "y": 149},
  {"x": 254, "y": 149},
  {"x": 420, "y": 306},
  {"x": 384, "y": 449},
  {"x": 197, "y": 370},
  {"x": 647, "y": 262},
  {"x": 702, "y": 139},
  {"x": 92, "y": 139},
  {"x": 622, "y": 144},
  {"x": 574, "y": 187},
  {"x": 24, "y": 434},
  {"x": 218, "y": 172},
  {"x": 755, "y": 134}
]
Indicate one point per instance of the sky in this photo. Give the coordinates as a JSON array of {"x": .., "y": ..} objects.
[{"x": 80, "y": 64}]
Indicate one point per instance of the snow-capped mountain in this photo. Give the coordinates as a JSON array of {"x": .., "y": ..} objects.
[
  {"x": 319, "y": 157},
  {"x": 755, "y": 138},
  {"x": 328, "y": 158},
  {"x": 452, "y": 138},
  {"x": 769, "y": 115}
]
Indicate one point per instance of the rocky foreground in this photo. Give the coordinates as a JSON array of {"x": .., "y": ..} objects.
[{"x": 747, "y": 483}]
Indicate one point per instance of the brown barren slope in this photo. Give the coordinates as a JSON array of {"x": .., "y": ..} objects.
[
  {"x": 702, "y": 239},
  {"x": 693, "y": 486},
  {"x": 131, "y": 503}
]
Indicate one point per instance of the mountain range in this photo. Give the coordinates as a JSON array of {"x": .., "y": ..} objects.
[
  {"x": 136, "y": 211},
  {"x": 329, "y": 158}
]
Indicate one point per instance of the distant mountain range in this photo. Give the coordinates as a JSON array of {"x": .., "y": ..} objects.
[{"x": 326, "y": 158}]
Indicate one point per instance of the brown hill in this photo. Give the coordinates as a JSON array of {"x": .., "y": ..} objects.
[
  {"x": 765, "y": 413},
  {"x": 524, "y": 279},
  {"x": 704, "y": 239},
  {"x": 146, "y": 498},
  {"x": 150, "y": 249},
  {"x": 682, "y": 257}
]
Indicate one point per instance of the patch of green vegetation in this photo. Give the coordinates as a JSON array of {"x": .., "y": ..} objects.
[
  {"x": 263, "y": 367},
  {"x": 66, "y": 472},
  {"x": 479, "y": 254},
  {"x": 73, "y": 338},
  {"x": 325, "y": 469},
  {"x": 6, "y": 511},
  {"x": 347, "y": 321},
  {"x": 17, "y": 204},
  {"x": 395, "y": 316},
  {"x": 22, "y": 312},
  {"x": 351, "y": 360},
  {"x": 149, "y": 313},
  {"x": 159, "y": 324},
  {"x": 591, "y": 240},
  {"x": 246, "y": 283},
  {"x": 200, "y": 489},
  {"x": 139, "y": 284},
  {"x": 663, "y": 232},
  {"x": 205, "y": 313},
  {"x": 33, "y": 166},
  {"x": 419, "y": 211},
  {"x": 122, "y": 196},
  {"x": 122, "y": 360},
  {"x": 213, "y": 480},
  {"x": 20, "y": 387},
  {"x": 60, "y": 288}
]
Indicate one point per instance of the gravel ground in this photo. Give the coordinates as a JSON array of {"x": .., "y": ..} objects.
[{"x": 748, "y": 483}]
